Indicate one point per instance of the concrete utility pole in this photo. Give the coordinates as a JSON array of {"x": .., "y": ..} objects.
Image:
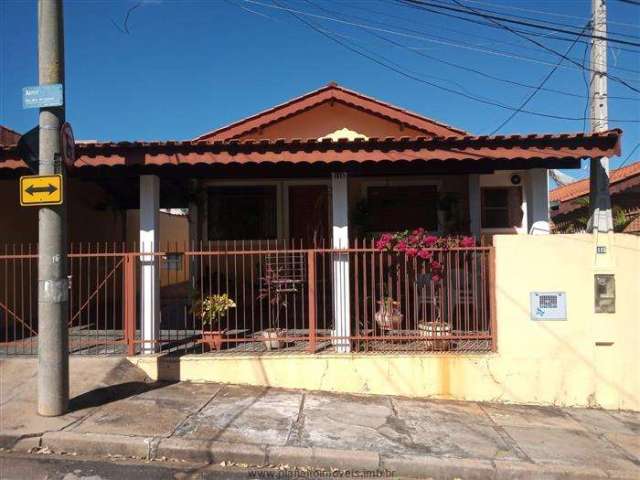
[
  {"x": 53, "y": 287},
  {"x": 600, "y": 219}
]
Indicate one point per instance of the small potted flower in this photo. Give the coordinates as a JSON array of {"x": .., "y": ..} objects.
[{"x": 211, "y": 310}]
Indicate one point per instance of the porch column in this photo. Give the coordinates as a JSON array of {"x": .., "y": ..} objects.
[
  {"x": 341, "y": 295},
  {"x": 475, "y": 220},
  {"x": 194, "y": 222},
  {"x": 538, "y": 201},
  {"x": 149, "y": 274}
]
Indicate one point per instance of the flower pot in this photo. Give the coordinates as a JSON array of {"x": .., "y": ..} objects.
[
  {"x": 433, "y": 330},
  {"x": 389, "y": 317},
  {"x": 272, "y": 336},
  {"x": 213, "y": 339}
]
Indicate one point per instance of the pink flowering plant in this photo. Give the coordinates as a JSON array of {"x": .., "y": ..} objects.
[
  {"x": 420, "y": 244},
  {"x": 424, "y": 246}
]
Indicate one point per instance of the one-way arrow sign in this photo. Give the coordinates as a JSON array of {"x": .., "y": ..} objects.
[{"x": 40, "y": 190}]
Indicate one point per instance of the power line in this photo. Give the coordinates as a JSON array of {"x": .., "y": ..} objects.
[
  {"x": 465, "y": 68},
  {"x": 526, "y": 33},
  {"x": 522, "y": 17},
  {"x": 420, "y": 37},
  {"x": 631, "y": 2},
  {"x": 545, "y": 12},
  {"x": 630, "y": 155},
  {"x": 490, "y": 16},
  {"x": 534, "y": 93},
  {"x": 587, "y": 89},
  {"x": 402, "y": 72},
  {"x": 541, "y": 45}
]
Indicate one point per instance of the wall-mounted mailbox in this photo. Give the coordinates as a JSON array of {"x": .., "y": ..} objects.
[
  {"x": 605, "y": 293},
  {"x": 548, "y": 305}
]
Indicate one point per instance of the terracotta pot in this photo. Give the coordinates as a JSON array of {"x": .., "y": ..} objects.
[
  {"x": 433, "y": 330},
  {"x": 213, "y": 339},
  {"x": 389, "y": 317},
  {"x": 272, "y": 336}
]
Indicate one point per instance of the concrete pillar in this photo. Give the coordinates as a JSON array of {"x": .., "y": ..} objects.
[
  {"x": 475, "y": 215},
  {"x": 341, "y": 290},
  {"x": 149, "y": 271},
  {"x": 538, "y": 201}
]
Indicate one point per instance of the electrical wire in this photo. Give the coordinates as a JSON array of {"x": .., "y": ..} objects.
[
  {"x": 629, "y": 156},
  {"x": 525, "y": 34},
  {"x": 541, "y": 45},
  {"x": 402, "y": 72},
  {"x": 560, "y": 24},
  {"x": 535, "y": 92},
  {"x": 420, "y": 37},
  {"x": 545, "y": 12},
  {"x": 462, "y": 67},
  {"x": 499, "y": 18}
]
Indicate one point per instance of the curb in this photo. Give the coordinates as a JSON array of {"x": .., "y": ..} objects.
[
  {"x": 192, "y": 450},
  {"x": 323, "y": 458},
  {"x": 97, "y": 444},
  {"x": 19, "y": 442}
]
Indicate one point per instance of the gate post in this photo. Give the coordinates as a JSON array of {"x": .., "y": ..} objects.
[
  {"x": 130, "y": 310},
  {"x": 312, "y": 299}
]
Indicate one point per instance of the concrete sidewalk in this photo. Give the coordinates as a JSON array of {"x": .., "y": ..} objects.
[{"x": 116, "y": 411}]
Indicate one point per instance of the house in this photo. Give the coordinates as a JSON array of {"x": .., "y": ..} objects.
[
  {"x": 292, "y": 171},
  {"x": 300, "y": 188},
  {"x": 281, "y": 210},
  {"x": 570, "y": 203}
]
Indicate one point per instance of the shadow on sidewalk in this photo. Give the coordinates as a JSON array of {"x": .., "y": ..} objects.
[{"x": 111, "y": 393}]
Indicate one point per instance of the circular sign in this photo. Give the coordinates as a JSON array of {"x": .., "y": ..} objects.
[{"x": 68, "y": 145}]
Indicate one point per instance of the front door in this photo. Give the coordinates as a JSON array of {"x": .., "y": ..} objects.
[{"x": 309, "y": 214}]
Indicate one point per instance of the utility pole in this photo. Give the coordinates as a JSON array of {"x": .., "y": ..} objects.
[
  {"x": 600, "y": 219},
  {"x": 53, "y": 285}
]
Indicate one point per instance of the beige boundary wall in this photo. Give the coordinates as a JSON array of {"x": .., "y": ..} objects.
[{"x": 589, "y": 360}]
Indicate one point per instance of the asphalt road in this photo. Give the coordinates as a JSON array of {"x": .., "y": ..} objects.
[{"x": 50, "y": 467}]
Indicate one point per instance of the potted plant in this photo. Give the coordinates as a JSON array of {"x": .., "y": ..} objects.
[
  {"x": 389, "y": 316},
  {"x": 273, "y": 289},
  {"x": 421, "y": 245},
  {"x": 433, "y": 330},
  {"x": 211, "y": 309}
]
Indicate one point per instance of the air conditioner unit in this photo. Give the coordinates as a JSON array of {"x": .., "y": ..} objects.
[{"x": 548, "y": 305}]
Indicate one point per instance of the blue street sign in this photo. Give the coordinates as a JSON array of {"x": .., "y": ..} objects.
[{"x": 42, "y": 96}]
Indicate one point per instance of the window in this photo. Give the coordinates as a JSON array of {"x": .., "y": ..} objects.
[
  {"x": 242, "y": 213},
  {"x": 501, "y": 207},
  {"x": 393, "y": 209}
]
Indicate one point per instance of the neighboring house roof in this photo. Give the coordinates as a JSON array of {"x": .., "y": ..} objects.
[
  {"x": 8, "y": 136},
  {"x": 529, "y": 150},
  {"x": 634, "y": 225},
  {"x": 328, "y": 93},
  {"x": 581, "y": 188}
]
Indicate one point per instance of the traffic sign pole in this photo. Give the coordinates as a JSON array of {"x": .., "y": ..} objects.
[{"x": 53, "y": 285}]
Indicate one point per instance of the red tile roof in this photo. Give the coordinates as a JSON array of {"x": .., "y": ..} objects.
[
  {"x": 580, "y": 188},
  {"x": 426, "y": 149},
  {"x": 330, "y": 92},
  {"x": 8, "y": 136}
]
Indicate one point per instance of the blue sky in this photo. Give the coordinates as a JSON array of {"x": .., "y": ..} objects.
[{"x": 186, "y": 67}]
